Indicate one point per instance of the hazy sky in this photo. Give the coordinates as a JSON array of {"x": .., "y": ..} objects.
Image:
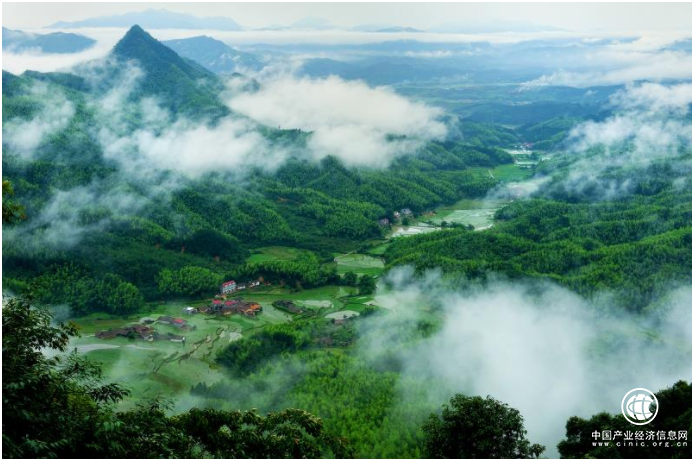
[{"x": 630, "y": 17}]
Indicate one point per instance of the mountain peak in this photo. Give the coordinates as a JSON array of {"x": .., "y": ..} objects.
[
  {"x": 167, "y": 75},
  {"x": 152, "y": 55},
  {"x": 133, "y": 40},
  {"x": 136, "y": 29}
]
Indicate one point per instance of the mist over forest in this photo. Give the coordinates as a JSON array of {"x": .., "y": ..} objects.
[{"x": 389, "y": 241}]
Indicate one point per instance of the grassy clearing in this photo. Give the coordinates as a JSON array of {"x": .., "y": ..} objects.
[
  {"x": 511, "y": 173},
  {"x": 375, "y": 247},
  {"x": 380, "y": 249},
  {"x": 359, "y": 263},
  {"x": 343, "y": 314},
  {"x": 474, "y": 212},
  {"x": 271, "y": 253}
]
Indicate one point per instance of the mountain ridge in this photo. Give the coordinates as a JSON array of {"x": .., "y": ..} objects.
[
  {"x": 213, "y": 54},
  {"x": 56, "y": 42},
  {"x": 154, "y": 19}
]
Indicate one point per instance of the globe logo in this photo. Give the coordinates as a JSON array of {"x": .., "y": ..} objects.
[{"x": 639, "y": 406}]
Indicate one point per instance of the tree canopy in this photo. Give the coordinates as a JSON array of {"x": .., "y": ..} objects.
[{"x": 476, "y": 427}]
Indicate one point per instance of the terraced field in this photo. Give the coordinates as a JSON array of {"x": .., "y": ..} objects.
[{"x": 169, "y": 369}]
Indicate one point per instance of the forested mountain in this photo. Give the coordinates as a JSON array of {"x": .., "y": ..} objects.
[
  {"x": 209, "y": 222},
  {"x": 56, "y": 42},
  {"x": 638, "y": 248},
  {"x": 184, "y": 84},
  {"x": 214, "y": 55}
]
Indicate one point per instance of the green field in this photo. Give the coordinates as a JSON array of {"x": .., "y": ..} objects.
[
  {"x": 478, "y": 213},
  {"x": 379, "y": 248},
  {"x": 163, "y": 368},
  {"x": 359, "y": 263},
  {"x": 274, "y": 253},
  {"x": 510, "y": 173}
]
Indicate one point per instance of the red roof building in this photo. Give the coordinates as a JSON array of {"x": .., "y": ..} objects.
[{"x": 228, "y": 287}]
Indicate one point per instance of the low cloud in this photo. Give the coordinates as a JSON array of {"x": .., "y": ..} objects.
[
  {"x": 19, "y": 62},
  {"x": 70, "y": 214},
  {"x": 159, "y": 142},
  {"x": 53, "y": 113},
  {"x": 540, "y": 348},
  {"x": 614, "y": 66},
  {"x": 362, "y": 126},
  {"x": 193, "y": 149},
  {"x": 649, "y": 124}
]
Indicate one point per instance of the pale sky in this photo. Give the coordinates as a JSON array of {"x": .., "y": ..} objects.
[{"x": 621, "y": 17}]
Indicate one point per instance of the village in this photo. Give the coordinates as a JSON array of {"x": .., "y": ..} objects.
[
  {"x": 221, "y": 305},
  {"x": 145, "y": 330},
  {"x": 398, "y": 216}
]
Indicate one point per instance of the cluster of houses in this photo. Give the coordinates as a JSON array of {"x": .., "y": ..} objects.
[
  {"x": 140, "y": 331},
  {"x": 287, "y": 306},
  {"x": 524, "y": 146},
  {"x": 227, "y": 307},
  {"x": 176, "y": 322},
  {"x": 405, "y": 212},
  {"x": 230, "y": 287}
]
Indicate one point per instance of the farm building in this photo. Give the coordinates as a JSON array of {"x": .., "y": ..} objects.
[
  {"x": 176, "y": 322},
  {"x": 287, "y": 306},
  {"x": 139, "y": 331},
  {"x": 174, "y": 338},
  {"x": 134, "y": 331},
  {"x": 383, "y": 221},
  {"x": 249, "y": 309},
  {"x": 228, "y": 287}
]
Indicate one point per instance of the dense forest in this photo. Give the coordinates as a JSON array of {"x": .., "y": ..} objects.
[
  {"x": 638, "y": 246},
  {"x": 208, "y": 223}
]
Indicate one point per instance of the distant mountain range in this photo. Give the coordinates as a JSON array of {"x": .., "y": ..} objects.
[
  {"x": 154, "y": 19},
  {"x": 214, "y": 55},
  {"x": 312, "y": 23},
  {"x": 384, "y": 28},
  {"x": 494, "y": 27},
  {"x": 58, "y": 42},
  {"x": 398, "y": 29}
]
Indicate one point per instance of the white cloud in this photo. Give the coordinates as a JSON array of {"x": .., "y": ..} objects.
[
  {"x": 649, "y": 116},
  {"x": 619, "y": 66},
  {"x": 158, "y": 142},
  {"x": 233, "y": 145},
  {"x": 54, "y": 114},
  {"x": 359, "y": 124},
  {"x": 656, "y": 98},
  {"x": 540, "y": 348},
  {"x": 17, "y": 63},
  {"x": 649, "y": 123},
  {"x": 63, "y": 222}
]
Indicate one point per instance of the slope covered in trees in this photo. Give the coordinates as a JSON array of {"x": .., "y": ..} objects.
[
  {"x": 91, "y": 223},
  {"x": 42, "y": 393},
  {"x": 638, "y": 246}
]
